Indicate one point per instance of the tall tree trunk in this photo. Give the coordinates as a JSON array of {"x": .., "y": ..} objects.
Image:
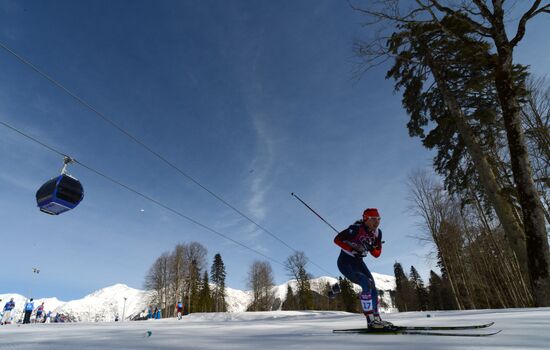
[
  {"x": 503, "y": 208},
  {"x": 538, "y": 257}
]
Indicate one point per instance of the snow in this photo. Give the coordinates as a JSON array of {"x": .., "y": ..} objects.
[
  {"x": 106, "y": 303},
  {"x": 50, "y": 304},
  {"x": 521, "y": 329}
]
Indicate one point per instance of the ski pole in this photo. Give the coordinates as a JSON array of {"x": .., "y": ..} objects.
[{"x": 314, "y": 212}]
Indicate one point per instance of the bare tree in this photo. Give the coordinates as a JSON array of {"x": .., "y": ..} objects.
[
  {"x": 157, "y": 279},
  {"x": 260, "y": 280},
  {"x": 536, "y": 123},
  {"x": 179, "y": 269},
  {"x": 482, "y": 271},
  {"x": 196, "y": 258},
  {"x": 295, "y": 264}
]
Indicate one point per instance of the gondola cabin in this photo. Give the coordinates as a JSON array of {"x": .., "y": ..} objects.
[{"x": 59, "y": 195}]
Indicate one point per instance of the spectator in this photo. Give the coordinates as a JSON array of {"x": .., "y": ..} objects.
[
  {"x": 6, "y": 317},
  {"x": 157, "y": 314},
  {"x": 40, "y": 312},
  {"x": 48, "y": 317},
  {"x": 29, "y": 306}
]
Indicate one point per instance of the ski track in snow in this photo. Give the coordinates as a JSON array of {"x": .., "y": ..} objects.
[{"x": 521, "y": 329}]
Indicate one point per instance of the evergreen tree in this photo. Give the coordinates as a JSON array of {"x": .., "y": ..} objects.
[
  {"x": 435, "y": 292},
  {"x": 448, "y": 299},
  {"x": 194, "y": 287},
  {"x": 347, "y": 296},
  {"x": 454, "y": 61},
  {"x": 405, "y": 296},
  {"x": 290, "y": 300},
  {"x": 420, "y": 291},
  {"x": 205, "y": 297},
  {"x": 217, "y": 275},
  {"x": 326, "y": 303}
]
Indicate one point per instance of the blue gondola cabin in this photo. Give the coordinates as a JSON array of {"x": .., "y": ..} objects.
[{"x": 59, "y": 195}]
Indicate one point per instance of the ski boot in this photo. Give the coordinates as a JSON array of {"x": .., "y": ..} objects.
[{"x": 376, "y": 323}]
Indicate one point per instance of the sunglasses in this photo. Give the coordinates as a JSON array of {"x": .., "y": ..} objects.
[{"x": 374, "y": 217}]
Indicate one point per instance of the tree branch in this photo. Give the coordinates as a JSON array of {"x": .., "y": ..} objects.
[
  {"x": 380, "y": 15},
  {"x": 527, "y": 16},
  {"x": 479, "y": 27},
  {"x": 485, "y": 12}
]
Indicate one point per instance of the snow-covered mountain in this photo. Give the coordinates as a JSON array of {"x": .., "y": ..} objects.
[
  {"x": 50, "y": 304},
  {"x": 105, "y": 304}
]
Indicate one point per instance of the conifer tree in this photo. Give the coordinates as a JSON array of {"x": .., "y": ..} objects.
[
  {"x": 420, "y": 291},
  {"x": 454, "y": 61},
  {"x": 217, "y": 275},
  {"x": 435, "y": 292},
  {"x": 205, "y": 297},
  {"x": 194, "y": 286},
  {"x": 290, "y": 300},
  {"x": 347, "y": 296},
  {"x": 405, "y": 296},
  {"x": 448, "y": 299}
]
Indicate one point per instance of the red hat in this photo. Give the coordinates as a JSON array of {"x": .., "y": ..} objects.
[{"x": 369, "y": 212}]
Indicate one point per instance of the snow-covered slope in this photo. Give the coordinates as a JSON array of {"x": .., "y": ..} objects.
[
  {"x": 525, "y": 329},
  {"x": 105, "y": 304}
]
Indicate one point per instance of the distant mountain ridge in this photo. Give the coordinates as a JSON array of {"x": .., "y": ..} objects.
[{"x": 106, "y": 303}]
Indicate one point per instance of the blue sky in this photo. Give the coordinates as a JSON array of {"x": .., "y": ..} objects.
[{"x": 254, "y": 99}]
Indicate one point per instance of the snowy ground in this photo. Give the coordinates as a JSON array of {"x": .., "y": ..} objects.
[{"x": 521, "y": 329}]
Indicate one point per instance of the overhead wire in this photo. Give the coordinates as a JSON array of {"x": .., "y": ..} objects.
[
  {"x": 149, "y": 149},
  {"x": 160, "y": 204}
]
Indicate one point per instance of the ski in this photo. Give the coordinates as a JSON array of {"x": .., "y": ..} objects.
[
  {"x": 415, "y": 332},
  {"x": 423, "y": 328},
  {"x": 452, "y": 334},
  {"x": 441, "y": 328}
]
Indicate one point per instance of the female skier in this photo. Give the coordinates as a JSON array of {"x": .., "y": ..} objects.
[{"x": 357, "y": 241}]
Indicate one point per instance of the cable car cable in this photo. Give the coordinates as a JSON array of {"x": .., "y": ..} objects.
[
  {"x": 142, "y": 195},
  {"x": 149, "y": 149}
]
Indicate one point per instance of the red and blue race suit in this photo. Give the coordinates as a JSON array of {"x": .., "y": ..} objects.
[{"x": 356, "y": 242}]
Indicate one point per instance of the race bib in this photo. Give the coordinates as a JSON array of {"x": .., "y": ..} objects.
[{"x": 366, "y": 304}]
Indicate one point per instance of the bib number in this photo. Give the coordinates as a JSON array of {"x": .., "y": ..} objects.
[{"x": 366, "y": 305}]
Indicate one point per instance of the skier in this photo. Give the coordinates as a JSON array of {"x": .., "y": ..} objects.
[
  {"x": 179, "y": 307},
  {"x": 29, "y": 306},
  {"x": 7, "y": 311},
  {"x": 357, "y": 241}
]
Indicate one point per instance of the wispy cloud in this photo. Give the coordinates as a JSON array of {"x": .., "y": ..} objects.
[{"x": 262, "y": 166}]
